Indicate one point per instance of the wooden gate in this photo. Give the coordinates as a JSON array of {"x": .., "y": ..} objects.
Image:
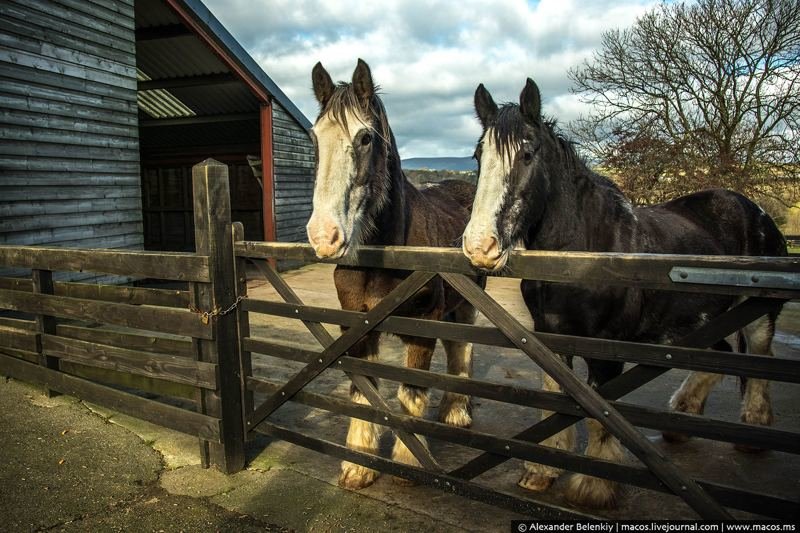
[
  {"x": 193, "y": 348},
  {"x": 764, "y": 284}
]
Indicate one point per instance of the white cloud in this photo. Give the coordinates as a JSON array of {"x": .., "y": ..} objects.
[{"x": 428, "y": 56}]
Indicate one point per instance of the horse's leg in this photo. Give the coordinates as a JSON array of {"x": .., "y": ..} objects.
[
  {"x": 362, "y": 436},
  {"x": 592, "y": 491},
  {"x": 413, "y": 399},
  {"x": 455, "y": 408},
  {"x": 538, "y": 477},
  {"x": 756, "y": 404},
  {"x": 692, "y": 394}
]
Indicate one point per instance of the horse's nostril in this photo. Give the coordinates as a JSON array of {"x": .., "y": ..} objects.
[
  {"x": 333, "y": 235},
  {"x": 489, "y": 246}
]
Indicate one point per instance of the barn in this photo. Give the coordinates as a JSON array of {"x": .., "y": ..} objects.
[{"x": 107, "y": 104}]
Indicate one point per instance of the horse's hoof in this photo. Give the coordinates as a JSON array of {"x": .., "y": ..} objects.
[
  {"x": 535, "y": 482},
  {"x": 744, "y": 448},
  {"x": 403, "y": 482},
  {"x": 588, "y": 491},
  {"x": 355, "y": 477},
  {"x": 459, "y": 418},
  {"x": 675, "y": 438}
]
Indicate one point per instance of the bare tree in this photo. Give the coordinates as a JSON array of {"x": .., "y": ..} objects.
[{"x": 696, "y": 96}]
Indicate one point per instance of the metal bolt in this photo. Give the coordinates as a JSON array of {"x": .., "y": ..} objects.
[
  {"x": 386, "y": 418},
  {"x": 297, "y": 311},
  {"x": 605, "y": 413},
  {"x": 508, "y": 447},
  {"x": 340, "y": 362},
  {"x": 683, "y": 275},
  {"x": 683, "y": 487},
  {"x": 578, "y": 407},
  {"x": 524, "y": 340},
  {"x": 283, "y": 394},
  {"x": 754, "y": 279},
  {"x": 320, "y": 360},
  {"x": 436, "y": 481},
  {"x": 668, "y": 356},
  {"x": 366, "y": 322}
]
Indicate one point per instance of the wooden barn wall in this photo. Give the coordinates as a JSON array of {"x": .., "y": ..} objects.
[
  {"x": 293, "y": 160},
  {"x": 69, "y": 155}
]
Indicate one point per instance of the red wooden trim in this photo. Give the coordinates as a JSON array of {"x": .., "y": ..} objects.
[
  {"x": 267, "y": 177},
  {"x": 217, "y": 49}
]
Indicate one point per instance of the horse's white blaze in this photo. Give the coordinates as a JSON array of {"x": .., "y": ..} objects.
[
  {"x": 331, "y": 226},
  {"x": 489, "y": 197}
]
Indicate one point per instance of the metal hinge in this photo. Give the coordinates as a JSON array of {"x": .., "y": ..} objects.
[{"x": 736, "y": 278}]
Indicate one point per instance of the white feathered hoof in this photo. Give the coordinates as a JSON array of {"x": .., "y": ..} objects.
[
  {"x": 355, "y": 477},
  {"x": 456, "y": 411},
  {"x": 535, "y": 481},
  {"x": 588, "y": 491}
]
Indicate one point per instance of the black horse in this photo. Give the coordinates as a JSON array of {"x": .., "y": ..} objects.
[{"x": 534, "y": 190}]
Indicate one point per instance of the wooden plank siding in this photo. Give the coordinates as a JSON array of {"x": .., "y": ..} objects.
[
  {"x": 69, "y": 158},
  {"x": 294, "y": 176}
]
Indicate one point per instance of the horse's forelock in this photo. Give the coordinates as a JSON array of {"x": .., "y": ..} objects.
[
  {"x": 344, "y": 101},
  {"x": 508, "y": 129}
]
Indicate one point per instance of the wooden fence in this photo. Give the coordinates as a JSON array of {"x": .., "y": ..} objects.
[
  {"x": 109, "y": 344},
  {"x": 209, "y": 364}
]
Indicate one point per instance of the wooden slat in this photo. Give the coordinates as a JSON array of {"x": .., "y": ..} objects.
[
  {"x": 649, "y": 271},
  {"x": 127, "y": 380},
  {"x": 700, "y": 426},
  {"x": 106, "y": 293},
  {"x": 133, "y": 341},
  {"x": 594, "y": 404},
  {"x": 161, "y": 366},
  {"x": 19, "y": 339},
  {"x": 158, "y": 413},
  {"x": 17, "y": 323},
  {"x": 165, "y": 320},
  {"x": 770, "y": 505},
  {"x": 764, "y": 367},
  {"x": 160, "y": 265},
  {"x": 31, "y": 357}
]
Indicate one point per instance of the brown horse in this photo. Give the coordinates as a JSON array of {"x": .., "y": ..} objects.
[
  {"x": 534, "y": 190},
  {"x": 361, "y": 196}
]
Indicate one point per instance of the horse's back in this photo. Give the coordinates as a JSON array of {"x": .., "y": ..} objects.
[{"x": 713, "y": 222}]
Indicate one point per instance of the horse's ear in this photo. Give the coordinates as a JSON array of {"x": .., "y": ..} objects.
[
  {"x": 323, "y": 84},
  {"x": 530, "y": 102},
  {"x": 362, "y": 83},
  {"x": 485, "y": 107}
]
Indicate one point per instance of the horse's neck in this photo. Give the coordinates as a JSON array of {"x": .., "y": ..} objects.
[
  {"x": 391, "y": 222},
  {"x": 582, "y": 213}
]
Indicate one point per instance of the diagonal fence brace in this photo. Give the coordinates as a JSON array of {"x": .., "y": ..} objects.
[
  {"x": 594, "y": 404},
  {"x": 335, "y": 348}
]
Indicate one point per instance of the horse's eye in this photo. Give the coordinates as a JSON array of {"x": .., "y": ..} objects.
[
  {"x": 366, "y": 139},
  {"x": 527, "y": 157}
]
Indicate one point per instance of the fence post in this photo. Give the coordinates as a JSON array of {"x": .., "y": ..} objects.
[
  {"x": 213, "y": 237},
  {"x": 243, "y": 321},
  {"x": 45, "y": 324}
]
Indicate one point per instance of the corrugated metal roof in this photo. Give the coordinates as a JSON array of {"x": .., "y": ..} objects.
[
  {"x": 188, "y": 56},
  {"x": 160, "y": 103}
]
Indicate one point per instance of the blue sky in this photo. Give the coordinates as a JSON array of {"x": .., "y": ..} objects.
[{"x": 428, "y": 56}]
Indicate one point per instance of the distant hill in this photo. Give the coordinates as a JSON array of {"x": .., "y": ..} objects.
[{"x": 440, "y": 163}]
